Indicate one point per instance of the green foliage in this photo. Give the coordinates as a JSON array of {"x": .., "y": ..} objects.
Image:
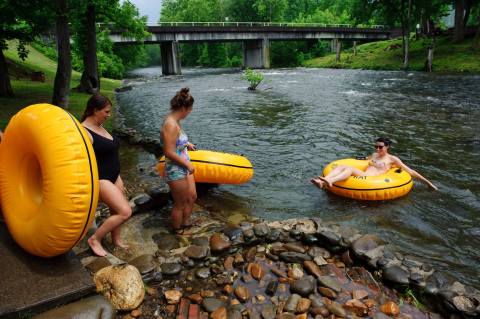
[{"x": 253, "y": 77}]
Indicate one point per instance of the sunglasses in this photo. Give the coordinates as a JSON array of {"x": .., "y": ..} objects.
[{"x": 379, "y": 147}]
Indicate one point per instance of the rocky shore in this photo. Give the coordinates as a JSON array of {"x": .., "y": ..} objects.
[{"x": 291, "y": 269}]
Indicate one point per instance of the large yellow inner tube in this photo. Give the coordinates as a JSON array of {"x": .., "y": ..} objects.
[
  {"x": 48, "y": 180},
  {"x": 216, "y": 167},
  {"x": 392, "y": 184}
]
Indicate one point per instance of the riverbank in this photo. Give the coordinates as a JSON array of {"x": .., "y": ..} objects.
[
  {"x": 29, "y": 92},
  {"x": 388, "y": 55}
]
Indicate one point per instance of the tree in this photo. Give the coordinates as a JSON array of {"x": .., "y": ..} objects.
[
  {"x": 61, "y": 86},
  {"x": 459, "y": 28},
  {"x": 21, "y": 20}
]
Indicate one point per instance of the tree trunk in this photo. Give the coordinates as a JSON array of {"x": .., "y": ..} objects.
[
  {"x": 354, "y": 48},
  {"x": 61, "y": 85},
  {"x": 476, "y": 40},
  {"x": 407, "y": 36},
  {"x": 337, "y": 49},
  {"x": 468, "y": 8},
  {"x": 431, "y": 49},
  {"x": 458, "y": 30},
  {"x": 402, "y": 18},
  {"x": 5, "y": 86},
  {"x": 90, "y": 82}
]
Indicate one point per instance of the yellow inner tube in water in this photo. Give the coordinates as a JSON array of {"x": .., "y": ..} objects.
[
  {"x": 48, "y": 180},
  {"x": 216, "y": 167},
  {"x": 392, "y": 184}
]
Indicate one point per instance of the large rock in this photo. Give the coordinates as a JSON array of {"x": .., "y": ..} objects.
[
  {"x": 96, "y": 307},
  {"x": 364, "y": 244},
  {"x": 122, "y": 285},
  {"x": 396, "y": 275}
]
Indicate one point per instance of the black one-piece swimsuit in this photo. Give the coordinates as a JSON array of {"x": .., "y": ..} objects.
[{"x": 106, "y": 152}]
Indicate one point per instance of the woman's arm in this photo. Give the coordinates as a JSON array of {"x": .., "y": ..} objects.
[
  {"x": 412, "y": 172},
  {"x": 169, "y": 135}
]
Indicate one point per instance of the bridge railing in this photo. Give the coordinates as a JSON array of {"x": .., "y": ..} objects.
[{"x": 263, "y": 24}]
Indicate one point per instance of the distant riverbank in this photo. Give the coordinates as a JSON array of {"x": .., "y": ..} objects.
[{"x": 388, "y": 55}]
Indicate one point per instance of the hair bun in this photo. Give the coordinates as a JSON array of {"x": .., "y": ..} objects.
[{"x": 184, "y": 91}]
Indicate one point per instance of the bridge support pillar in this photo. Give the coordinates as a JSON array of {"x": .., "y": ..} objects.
[
  {"x": 256, "y": 54},
  {"x": 170, "y": 58}
]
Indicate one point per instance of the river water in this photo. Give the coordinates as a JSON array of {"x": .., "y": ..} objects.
[{"x": 301, "y": 119}]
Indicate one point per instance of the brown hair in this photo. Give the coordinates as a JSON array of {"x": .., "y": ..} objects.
[
  {"x": 181, "y": 100},
  {"x": 95, "y": 103}
]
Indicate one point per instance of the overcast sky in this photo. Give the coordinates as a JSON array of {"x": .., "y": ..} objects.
[{"x": 150, "y": 8}]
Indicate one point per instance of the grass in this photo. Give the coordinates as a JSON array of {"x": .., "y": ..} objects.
[
  {"x": 387, "y": 55},
  {"x": 28, "y": 92}
]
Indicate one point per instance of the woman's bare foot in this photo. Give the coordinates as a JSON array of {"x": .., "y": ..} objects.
[
  {"x": 317, "y": 182},
  {"x": 325, "y": 181},
  {"x": 96, "y": 246}
]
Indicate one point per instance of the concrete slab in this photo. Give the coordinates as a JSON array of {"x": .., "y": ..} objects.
[{"x": 30, "y": 284}]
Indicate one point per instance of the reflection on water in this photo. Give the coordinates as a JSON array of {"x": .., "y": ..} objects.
[{"x": 305, "y": 118}]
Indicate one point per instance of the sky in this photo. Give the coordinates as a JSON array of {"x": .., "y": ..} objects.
[{"x": 150, "y": 8}]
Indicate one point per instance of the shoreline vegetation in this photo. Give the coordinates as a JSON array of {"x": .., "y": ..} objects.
[
  {"x": 388, "y": 56},
  {"x": 28, "y": 92}
]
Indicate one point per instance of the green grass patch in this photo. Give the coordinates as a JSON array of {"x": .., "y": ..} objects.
[
  {"x": 388, "y": 55},
  {"x": 28, "y": 92}
]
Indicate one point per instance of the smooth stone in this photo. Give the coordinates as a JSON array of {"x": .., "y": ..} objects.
[
  {"x": 173, "y": 296},
  {"x": 219, "y": 313},
  {"x": 144, "y": 263},
  {"x": 219, "y": 242},
  {"x": 317, "y": 301},
  {"x": 303, "y": 287},
  {"x": 200, "y": 241},
  {"x": 330, "y": 282},
  {"x": 248, "y": 233},
  {"x": 166, "y": 241},
  {"x": 250, "y": 254},
  {"x": 329, "y": 237},
  {"x": 273, "y": 235},
  {"x": 291, "y": 304},
  {"x": 303, "y": 305},
  {"x": 295, "y": 247},
  {"x": 310, "y": 239},
  {"x": 232, "y": 232},
  {"x": 320, "y": 261},
  {"x": 234, "y": 314},
  {"x": 327, "y": 292},
  {"x": 268, "y": 311},
  {"x": 336, "y": 309},
  {"x": 256, "y": 271},
  {"x": 312, "y": 268},
  {"x": 96, "y": 307},
  {"x": 261, "y": 230},
  {"x": 143, "y": 202},
  {"x": 242, "y": 293},
  {"x": 357, "y": 307},
  {"x": 294, "y": 257},
  {"x": 286, "y": 315},
  {"x": 271, "y": 288},
  {"x": 321, "y": 312},
  {"x": 359, "y": 294},
  {"x": 202, "y": 273},
  {"x": 319, "y": 251},
  {"x": 98, "y": 263},
  {"x": 365, "y": 244},
  {"x": 196, "y": 252},
  {"x": 396, "y": 275},
  {"x": 171, "y": 269},
  {"x": 212, "y": 304},
  {"x": 390, "y": 308},
  {"x": 295, "y": 273}
]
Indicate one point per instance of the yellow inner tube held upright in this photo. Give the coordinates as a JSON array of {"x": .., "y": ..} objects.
[
  {"x": 48, "y": 180},
  {"x": 392, "y": 184},
  {"x": 216, "y": 167}
]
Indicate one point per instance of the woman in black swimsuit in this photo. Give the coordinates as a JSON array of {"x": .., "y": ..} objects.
[{"x": 112, "y": 193}]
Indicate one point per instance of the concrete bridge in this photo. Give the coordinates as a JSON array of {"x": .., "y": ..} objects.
[{"x": 255, "y": 36}]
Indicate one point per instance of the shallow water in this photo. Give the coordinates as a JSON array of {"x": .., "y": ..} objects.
[{"x": 301, "y": 119}]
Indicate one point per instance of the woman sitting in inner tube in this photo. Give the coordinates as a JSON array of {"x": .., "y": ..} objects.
[{"x": 379, "y": 163}]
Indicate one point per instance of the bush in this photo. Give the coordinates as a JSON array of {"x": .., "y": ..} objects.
[{"x": 253, "y": 77}]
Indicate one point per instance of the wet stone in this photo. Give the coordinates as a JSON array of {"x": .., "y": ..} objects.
[
  {"x": 261, "y": 230},
  {"x": 202, "y": 273},
  {"x": 97, "y": 264},
  {"x": 250, "y": 254},
  {"x": 310, "y": 239},
  {"x": 319, "y": 311},
  {"x": 234, "y": 314},
  {"x": 317, "y": 301},
  {"x": 248, "y": 234},
  {"x": 296, "y": 233},
  {"x": 144, "y": 263},
  {"x": 256, "y": 271},
  {"x": 219, "y": 313},
  {"x": 200, "y": 241},
  {"x": 212, "y": 304},
  {"x": 196, "y": 252},
  {"x": 268, "y": 311},
  {"x": 365, "y": 244},
  {"x": 303, "y": 305},
  {"x": 171, "y": 269},
  {"x": 312, "y": 268},
  {"x": 396, "y": 275},
  {"x": 242, "y": 293},
  {"x": 273, "y": 235},
  {"x": 219, "y": 242},
  {"x": 295, "y": 247},
  {"x": 337, "y": 309},
  {"x": 390, "y": 308},
  {"x": 291, "y": 304},
  {"x": 295, "y": 273},
  {"x": 173, "y": 296},
  {"x": 143, "y": 202},
  {"x": 294, "y": 257},
  {"x": 232, "y": 232},
  {"x": 327, "y": 292},
  {"x": 330, "y": 282},
  {"x": 271, "y": 288},
  {"x": 319, "y": 251},
  {"x": 329, "y": 237},
  {"x": 303, "y": 287},
  {"x": 166, "y": 241}
]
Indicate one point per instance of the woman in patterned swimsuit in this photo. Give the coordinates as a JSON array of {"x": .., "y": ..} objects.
[
  {"x": 178, "y": 169},
  {"x": 380, "y": 162}
]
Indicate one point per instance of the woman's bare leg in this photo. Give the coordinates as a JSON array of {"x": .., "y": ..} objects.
[
  {"x": 116, "y": 232},
  {"x": 116, "y": 201},
  {"x": 192, "y": 197},
  {"x": 343, "y": 175},
  {"x": 180, "y": 194}
]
